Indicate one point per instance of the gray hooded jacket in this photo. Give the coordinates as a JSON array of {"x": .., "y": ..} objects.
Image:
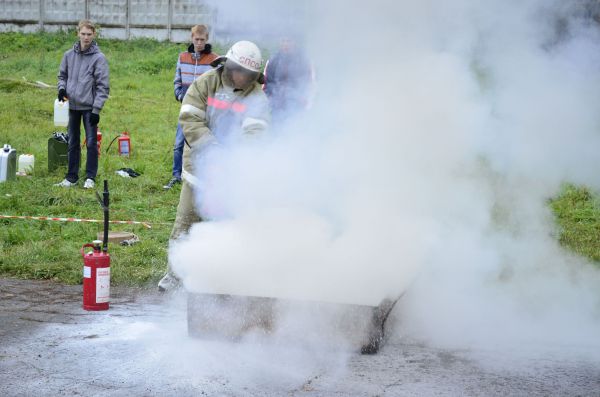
[{"x": 84, "y": 75}]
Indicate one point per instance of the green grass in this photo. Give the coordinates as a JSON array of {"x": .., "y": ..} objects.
[
  {"x": 577, "y": 211},
  {"x": 141, "y": 102}
]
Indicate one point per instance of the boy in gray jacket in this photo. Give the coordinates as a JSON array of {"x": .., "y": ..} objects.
[{"x": 83, "y": 81}]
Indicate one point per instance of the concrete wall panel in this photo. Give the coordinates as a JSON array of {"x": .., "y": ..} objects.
[
  {"x": 20, "y": 10},
  {"x": 63, "y": 11},
  {"x": 108, "y": 12},
  {"x": 149, "y": 12},
  {"x": 122, "y": 19}
]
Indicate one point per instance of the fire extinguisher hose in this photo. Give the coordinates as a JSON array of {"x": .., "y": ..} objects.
[
  {"x": 111, "y": 142},
  {"x": 105, "y": 207},
  {"x": 104, "y": 203}
]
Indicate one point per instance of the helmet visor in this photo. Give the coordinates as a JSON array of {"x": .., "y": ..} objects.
[{"x": 238, "y": 75}]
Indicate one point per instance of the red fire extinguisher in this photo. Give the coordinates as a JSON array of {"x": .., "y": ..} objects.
[
  {"x": 96, "y": 277},
  {"x": 98, "y": 140},
  {"x": 124, "y": 144},
  {"x": 96, "y": 267}
]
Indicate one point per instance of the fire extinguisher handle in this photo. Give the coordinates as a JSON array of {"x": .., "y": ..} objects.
[{"x": 86, "y": 245}]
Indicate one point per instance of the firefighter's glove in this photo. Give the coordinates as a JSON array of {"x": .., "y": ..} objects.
[
  {"x": 62, "y": 95},
  {"x": 94, "y": 118}
]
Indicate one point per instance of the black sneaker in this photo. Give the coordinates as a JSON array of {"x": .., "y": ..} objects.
[{"x": 174, "y": 181}]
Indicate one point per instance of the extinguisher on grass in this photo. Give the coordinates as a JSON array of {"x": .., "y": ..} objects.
[
  {"x": 124, "y": 144},
  {"x": 96, "y": 266},
  {"x": 98, "y": 140}
]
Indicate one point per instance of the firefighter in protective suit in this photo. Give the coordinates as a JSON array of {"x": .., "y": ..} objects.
[{"x": 222, "y": 104}]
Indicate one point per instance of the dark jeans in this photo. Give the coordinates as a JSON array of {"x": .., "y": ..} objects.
[
  {"x": 178, "y": 152},
  {"x": 74, "y": 153}
]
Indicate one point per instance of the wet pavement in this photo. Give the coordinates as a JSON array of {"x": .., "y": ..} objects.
[{"x": 50, "y": 346}]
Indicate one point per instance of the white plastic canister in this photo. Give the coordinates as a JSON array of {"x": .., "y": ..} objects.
[
  {"x": 25, "y": 164},
  {"x": 61, "y": 113}
]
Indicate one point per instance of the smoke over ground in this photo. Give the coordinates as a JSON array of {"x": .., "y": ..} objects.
[{"x": 437, "y": 134}]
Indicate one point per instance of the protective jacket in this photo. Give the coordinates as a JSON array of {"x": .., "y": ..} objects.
[
  {"x": 214, "y": 112},
  {"x": 84, "y": 75},
  {"x": 190, "y": 66}
]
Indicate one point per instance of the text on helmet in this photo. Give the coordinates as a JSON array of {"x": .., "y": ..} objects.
[{"x": 249, "y": 62}]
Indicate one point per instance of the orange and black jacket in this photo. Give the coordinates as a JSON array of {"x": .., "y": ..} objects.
[{"x": 190, "y": 66}]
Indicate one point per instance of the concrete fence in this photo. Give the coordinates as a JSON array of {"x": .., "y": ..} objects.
[{"x": 122, "y": 19}]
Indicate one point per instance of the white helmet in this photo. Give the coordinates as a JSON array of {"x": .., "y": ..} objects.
[{"x": 247, "y": 55}]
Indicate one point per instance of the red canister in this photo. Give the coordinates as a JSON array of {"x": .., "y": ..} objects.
[{"x": 96, "y": 277}]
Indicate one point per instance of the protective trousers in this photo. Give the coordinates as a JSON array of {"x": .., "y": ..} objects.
[{"x": 186, "y": 211}]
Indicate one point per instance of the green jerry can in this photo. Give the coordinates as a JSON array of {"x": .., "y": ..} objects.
[{"x": 57, "y": 152}]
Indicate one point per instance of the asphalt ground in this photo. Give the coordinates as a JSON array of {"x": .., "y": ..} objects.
[{"x": 50, "y": 346}]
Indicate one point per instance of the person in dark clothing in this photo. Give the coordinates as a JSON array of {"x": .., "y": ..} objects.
[
  {"x": 289, "y": 80},
  {"x": 190, "y": 65},
  {"x": 83, "y": 80}
]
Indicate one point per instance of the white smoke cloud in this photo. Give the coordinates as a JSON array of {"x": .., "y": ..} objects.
[{"x": 439, "y": 131}]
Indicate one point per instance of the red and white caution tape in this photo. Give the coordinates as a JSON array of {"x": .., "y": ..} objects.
[{"x": 48, "y": 218}]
